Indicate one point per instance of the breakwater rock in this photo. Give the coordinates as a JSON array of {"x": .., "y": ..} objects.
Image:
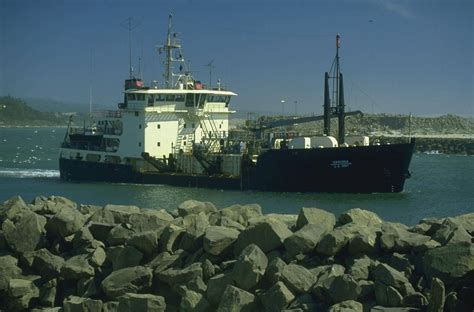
[{"x": 56, "y": 255}]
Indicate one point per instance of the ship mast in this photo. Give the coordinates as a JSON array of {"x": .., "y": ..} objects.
[{"x": 336, "y": 106}]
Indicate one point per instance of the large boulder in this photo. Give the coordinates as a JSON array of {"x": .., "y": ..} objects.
[
  {"x": 119, "y": 235},
  {"x": 175, "y": 276},
  {"x": 193, "y": 301},
  {"x": 334, "y": 241},
  {"x": 51, "y": 205},
  {"x": 149, "y": 220},
  {"x": 127, "y": 280},
  {"x": 396, "y": 238},
  {"x": 449, "y": 262},
  {"x": 451, "y": 231},
  {"x": 121, "y": 213},
  {"x": 123, "y": 257},
  {"x": 171, "y": 238},
  {"x": 77, "y": 267},
  {"x": 8, "y": 269},
  {"x": 25, "y": 232},
  {"x": 141, "y": 302},
  {"x": 66, "y": 222},
  {"x": 389, "y": 276},
  {"x": 236, "y": 299},
  {"x": 13, "y": 207},
  {"x": 216, "y": 286},
  {"x": 250, "y": 267},
  {"x": 297, "y": 278},
  {"x": 267, "y": 235},
  {"x": 277, "y": 297},
  {"x": 361, "y": 217},
  {"x": 194, "y": 207},
  {"x": 344, "y": 287},
  {"x": 219, "y": 239},
  {"x": 305, "y": 239},
  {"x": 325, "y": 219},
  {"x": 46, "y": 264},
  {"x": 325, "y": 275},
  {"x": 20, "y": 294},
  {"x": 238, "y": 213},
  {"x": 76, "y": 304},
  {"x": 163, "y": 261},
  {"x": 146, "y": 242}
]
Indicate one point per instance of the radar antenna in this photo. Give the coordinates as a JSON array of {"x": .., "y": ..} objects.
[
  {"x": 130, "y": 25},
  {"x": 211, "y": 66}
]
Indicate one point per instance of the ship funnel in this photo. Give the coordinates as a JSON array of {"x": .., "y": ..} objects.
[
  {"x": 341, "y": 111},
  {"x": 327, "y": 106}
]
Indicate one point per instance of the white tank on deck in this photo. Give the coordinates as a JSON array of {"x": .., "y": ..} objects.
[
  {"x": 300, "y": 142},
  {"x": 357, "y": 140},
  {"x": 323, "y": 141}
]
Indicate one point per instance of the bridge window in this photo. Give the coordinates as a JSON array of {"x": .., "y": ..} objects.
[
  {"x": 179, "y": 98},
  {"x": 131, "y": 97},
  {"x": 140, "y": 97},
  {"x": 170, "y": 97},
  {"x": 160, "y": 97},
  {"x": 158, "y": 126}
]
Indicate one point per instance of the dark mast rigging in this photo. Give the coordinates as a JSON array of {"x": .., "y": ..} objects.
[{"x": 334, "y": 102}]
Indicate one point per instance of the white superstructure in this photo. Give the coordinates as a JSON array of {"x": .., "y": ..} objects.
[{"x": 161, "y": 122}]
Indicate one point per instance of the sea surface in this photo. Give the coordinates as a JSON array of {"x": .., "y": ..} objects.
[{"x": 440, "y": 186}]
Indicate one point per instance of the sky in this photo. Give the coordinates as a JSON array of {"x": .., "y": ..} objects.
[{"x": 397, "y": 56}]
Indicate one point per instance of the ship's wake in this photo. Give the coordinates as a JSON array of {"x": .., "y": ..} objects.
[{"x": 28, "y": 173}]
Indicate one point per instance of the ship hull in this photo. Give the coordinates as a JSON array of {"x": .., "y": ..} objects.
[{"x": 363, "y": 169}]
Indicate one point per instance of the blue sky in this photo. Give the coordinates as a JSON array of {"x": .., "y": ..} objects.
[{"x": 397, "y": 56}]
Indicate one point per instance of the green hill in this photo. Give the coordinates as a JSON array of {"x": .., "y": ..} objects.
[{"x": 15, "y": 112}]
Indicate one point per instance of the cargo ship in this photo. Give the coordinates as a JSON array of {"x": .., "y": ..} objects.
[{"x": 178, "y": 133}]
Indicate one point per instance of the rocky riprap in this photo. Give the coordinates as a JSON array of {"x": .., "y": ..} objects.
[{"x": 60, "y": 256}]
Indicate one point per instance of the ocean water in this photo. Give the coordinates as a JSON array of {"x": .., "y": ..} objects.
[{"x": 441, "y": 185}]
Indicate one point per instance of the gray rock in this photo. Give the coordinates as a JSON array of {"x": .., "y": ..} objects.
[
  {"x": 241, "y": 213},
  {"x": 46, "y": 264},
  {"x": 361, "y": 217},
  {"x": 48, "y": 293},
  {"x": 163, "y": 261},
  {"x": 87, "y": 287},
  {"x": 141, "y": 302},
  {"x": 98, "y": 257},
  {"x": 359, "y": 268},
  {"x": 78, "y": 304},
  {"x": 449, "y": 262},
  {"x": 305, "y": 239},
  {"x": 127, "y": 280},
  {"x": 146, "y": 242},
  {"x": 467, "y": 222},
  {"x": 277, "y": 298},
  {"x": 324, "y": 277},
  {"x": 219, "y": 239},
  {"x": 346, "y": 306},
  {"x": 170, "y": 238},
  {"x": 436, "y": 296},
  {"x": 318, "y": 216},
  {"x": 173, "y": 276},
  {"x": 334, "y": 241},
  {"x": 250, "y": 267},
  {"x": 389, "y": 276},
  {"x": 297, "y": 278},
  {"x": 77, "y": 267},
  {"x": 451, "y": 232},
  {"x": 123, "y": 257},
  {"x": 228, "y": 223},
  {"x": 193, "y": 301},
  {"x": 194, "y": 207},
  {"x": 274, "y": 270},
  {"x": 149, "y": 220},
  {"x": 66, "y": 222},
  {"x": 366, "y": 289},
  {"x": 26, "y": 232},
  {"x": 13, "y": 207},
  {"x": 208, "y": 269},
  {"x": 216, "y": 286},
  {"x": 416, "y": 300},
  {"x": 119, "y": 235},
  {"x": 121, "y": 213},
  {"x": 20, "y": 293},
  {"x": 303, "y": 303},
  {"x": 51, "y": 205},
  {"x": 363, "y": 243},
  {"x": 288, "y": 219},
  {"x": 100, "y": 231},
  {"x": 267, "y": 236},
  {"x": 343, "y": 288},
  {"x": 88, "y": 210},
  {"x": 396, "y": 238},
  {"x": 236, "y": 299},
  {"x": 110, "y": 306},
  {"x": 8, "y": 269},
  {"x": 387, "y": 296}
]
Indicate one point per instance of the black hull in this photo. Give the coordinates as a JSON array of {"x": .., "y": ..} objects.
[{"x": 364, "y": 169}]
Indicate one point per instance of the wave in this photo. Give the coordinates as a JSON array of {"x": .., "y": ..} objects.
[{"x": 28, "y": 173}]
